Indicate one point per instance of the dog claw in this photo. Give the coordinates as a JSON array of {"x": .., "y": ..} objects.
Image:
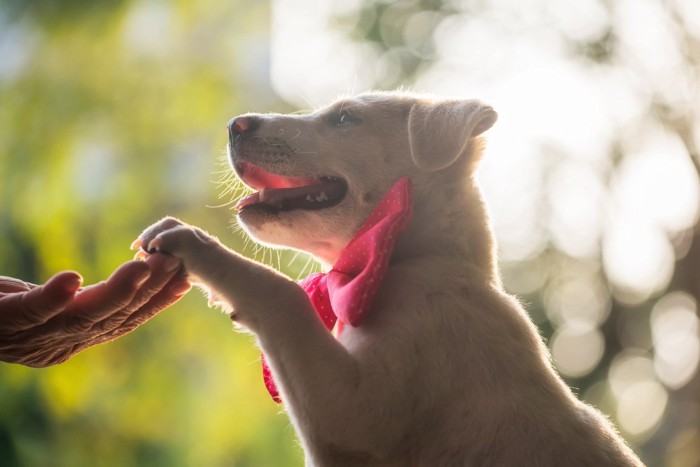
[{"x": 141, "y": 255}]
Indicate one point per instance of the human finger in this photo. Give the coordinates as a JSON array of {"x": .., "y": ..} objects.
[
  {"x": 26, "y": 310},
  {"x": 95, "y": 303},
  {"x": 101, "y": 300},
  {"x": 176, "y": 288},
  {"x": 173, "y": 292},
  {"x": 12, "y": 285},
  {"x": 162, "y": 269}
]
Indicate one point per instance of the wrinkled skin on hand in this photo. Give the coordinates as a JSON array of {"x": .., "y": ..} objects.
[{"x": 43, "y": 325}]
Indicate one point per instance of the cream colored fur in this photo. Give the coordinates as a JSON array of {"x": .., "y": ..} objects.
[{"x": 447, "y": 369}]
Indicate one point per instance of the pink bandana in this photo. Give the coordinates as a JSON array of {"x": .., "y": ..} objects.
[{"x": 345, "y": 293}]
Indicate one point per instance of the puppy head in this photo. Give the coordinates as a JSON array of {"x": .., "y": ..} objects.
[{"x": 318, "y": 176}]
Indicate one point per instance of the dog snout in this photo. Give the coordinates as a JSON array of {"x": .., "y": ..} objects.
[{"x": 242, "y": 126}]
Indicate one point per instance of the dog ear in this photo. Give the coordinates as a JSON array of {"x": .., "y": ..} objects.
[{"x": 438, "y": 132}]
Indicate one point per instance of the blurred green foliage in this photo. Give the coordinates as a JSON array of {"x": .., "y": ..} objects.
[{"x": 113, "y": 115}]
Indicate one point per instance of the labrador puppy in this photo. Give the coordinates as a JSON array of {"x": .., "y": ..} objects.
[{"x": 444, "y": 368}]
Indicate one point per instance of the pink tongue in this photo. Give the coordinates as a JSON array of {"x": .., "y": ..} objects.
[
  {"x": 284, "y": 193},
  {"x": 260, "y": 179},
  {"x": 247, "y": 201},
  {"x": 272, "y": 196}
]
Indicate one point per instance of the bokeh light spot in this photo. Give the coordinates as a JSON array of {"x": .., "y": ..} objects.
[
  {"x": 640, "y": 408},
  {"x": 577, "y": 349},
  {"x": 676, "y": 336},
  {"x": 638, "y": 259},
  {"x": 578, "y": 299}
]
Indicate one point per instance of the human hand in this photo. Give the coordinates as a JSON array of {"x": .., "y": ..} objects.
[{"x": 43, "y": 325}]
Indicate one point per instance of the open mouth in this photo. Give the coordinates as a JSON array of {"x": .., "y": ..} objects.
[{"x": 276, "y": 193}]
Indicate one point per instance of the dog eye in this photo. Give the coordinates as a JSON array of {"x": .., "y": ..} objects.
[{"x": 344, "y": 117}]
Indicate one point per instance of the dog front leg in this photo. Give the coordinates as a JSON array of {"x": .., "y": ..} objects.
[{"x": 319, "y": 380}]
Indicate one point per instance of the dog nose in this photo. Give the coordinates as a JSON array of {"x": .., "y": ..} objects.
[{"x": 241, "y": 126}]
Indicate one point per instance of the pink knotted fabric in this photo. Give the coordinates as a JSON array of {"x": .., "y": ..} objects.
[{"x": 344, "y": 295}]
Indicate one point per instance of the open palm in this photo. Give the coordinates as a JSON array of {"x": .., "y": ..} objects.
[{"x": 42, "y": 325}]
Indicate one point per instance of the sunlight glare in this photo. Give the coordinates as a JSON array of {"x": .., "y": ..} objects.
[
  {"x": 689, "y": 14},
  {"x": 583, "y": 20},
  {"x": 638, "y": 259},
  {"x": 510, "y": 180},
  {"x": 312, "y": 63},
  {"x": 647, "y": 42},
  {"x": 576, "y": 200},
  {"x": 658, "y": 183}
]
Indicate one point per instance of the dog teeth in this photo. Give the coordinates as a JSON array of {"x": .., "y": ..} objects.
[{"x": 322, "y": 197}]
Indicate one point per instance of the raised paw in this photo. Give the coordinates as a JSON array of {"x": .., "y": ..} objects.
[{"x": 176, "y": 238}]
